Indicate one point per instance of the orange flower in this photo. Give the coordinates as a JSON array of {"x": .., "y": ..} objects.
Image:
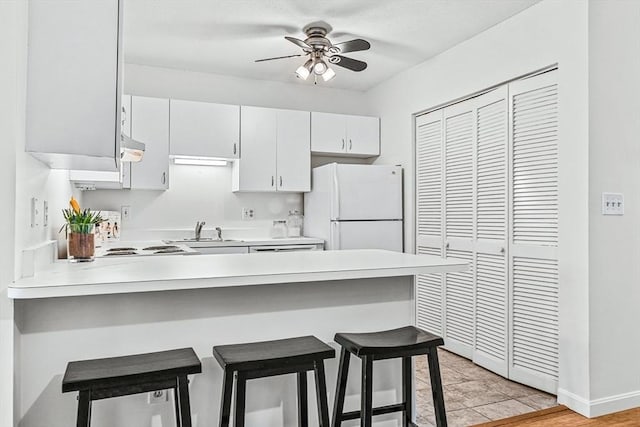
[{"x": 74, "y": 205}]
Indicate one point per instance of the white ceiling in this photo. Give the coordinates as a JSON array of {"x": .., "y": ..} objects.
[{"x": 226, "y": 36}]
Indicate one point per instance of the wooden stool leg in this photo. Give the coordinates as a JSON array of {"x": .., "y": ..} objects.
[
  {"x": 84, "y": 409},
  {"x": 303, "y": 404},
  {"x": 366, "y": 411},
  {"x": 176, "y": 403},
  {"x": 436, "y": 387},
  {"x": 341, "y": 387},
  {"x": 225, "y": 405},
  {"x": 321, "y": 394},
  {"x": 183, "y": 398},
  {"x": 407, "y": 391},
  {"x": 241, "y": 390}
]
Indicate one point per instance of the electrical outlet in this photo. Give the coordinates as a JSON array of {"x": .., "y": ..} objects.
[
  {"x": 247, "y": 213},
  {"x": 125, "y": 212},
  {"x": 612, "y": 204},
  {"x": 45, "y": 213},
  {"x": 34, "y": 212},
  {"x": 157, "y": 396}
]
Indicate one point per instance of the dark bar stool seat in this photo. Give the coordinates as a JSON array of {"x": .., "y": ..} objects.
[
  {"x": 121, "y": 376},
  {"x": 402, "y": 343},
  {"x": 270, "y": 358}
]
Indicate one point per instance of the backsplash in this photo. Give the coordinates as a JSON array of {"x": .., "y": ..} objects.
[{"x": 196, "y": 193}]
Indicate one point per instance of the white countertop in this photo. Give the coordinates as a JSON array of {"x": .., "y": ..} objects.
[
  {"x": 207, "y": 242},
  {"x": 145, "y": 274}
]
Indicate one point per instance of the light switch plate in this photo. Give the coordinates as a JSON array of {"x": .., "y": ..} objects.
[{"x": 612, "y": 204}]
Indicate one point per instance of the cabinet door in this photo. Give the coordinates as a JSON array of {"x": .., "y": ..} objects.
[
  {"x": 125, "y": 115},
  {"x": 204, "y": 129},
  {"x": 328, "y": 133},
  {"x": 294, "y": 150},
  {"x": 256, "y": 170},
  {"x": 150, "y": 124},
  {"x": 363, "y": 136}
]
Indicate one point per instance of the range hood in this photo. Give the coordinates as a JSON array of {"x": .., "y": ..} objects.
[{"x": 130, "y": 149}]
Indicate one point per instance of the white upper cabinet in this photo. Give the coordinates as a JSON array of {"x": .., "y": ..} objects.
[
  {"x": 73, "y": 92},
  {"x": 256, "y": 170},
  {"x": 150, "y": 124},
  {"x": 345, "y": 135},
  {"x": 203, "y": 129},
  {"x": 275, "y": 151},
  {"x": 293, "y": 150}
]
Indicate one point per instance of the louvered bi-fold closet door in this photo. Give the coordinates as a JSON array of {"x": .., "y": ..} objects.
[
  {"x": 459, "y": 225},
  {"x": 429, "y": 292},
  {"x": 491, "y": 293},
  {"x": 533, "y": 268}
]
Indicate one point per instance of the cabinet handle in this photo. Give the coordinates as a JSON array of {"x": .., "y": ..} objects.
[
  {"x": 447, "y": 246},
  {"x": 342, "y": 144},
  {"x": 272, "y": 180},
  {"x": 280, "y": 180},
  {"x": 164, "y": 178},
  {"x": 502, "y": 250},
  {"x": 350, "y": 144},
  {"x": 235, "y": 148}
]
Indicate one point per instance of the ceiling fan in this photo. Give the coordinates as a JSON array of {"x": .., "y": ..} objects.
[{"x": 322, "y": 52}]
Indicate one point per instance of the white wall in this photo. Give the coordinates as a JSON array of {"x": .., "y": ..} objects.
[
  {"x": 547, "y": 33},
  {"x": 204, "y": 193},
  {"x": 9, "y": 130},
  {"x": 614, "y": 241}
]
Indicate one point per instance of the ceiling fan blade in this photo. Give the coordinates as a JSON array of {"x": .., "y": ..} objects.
[
  {"x": 349, "y": 63},
  {"x": 277, "y": 57},
  {"x": 298, "y": 42},
  {"x": 352, "y": 46}
]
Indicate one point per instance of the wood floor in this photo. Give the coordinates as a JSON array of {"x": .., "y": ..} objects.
[{"x": 561, "y": 416}]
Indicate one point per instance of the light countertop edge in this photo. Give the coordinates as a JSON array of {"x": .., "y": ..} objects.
[{"x": 219, "y": 271}]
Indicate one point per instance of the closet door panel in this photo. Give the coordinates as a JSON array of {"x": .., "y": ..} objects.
[
  {"x": 429, "y": 287},
  {"x": 459, "y": 225},
  {"x": 491, "y": 327},
  {"x": 533, "y": 358}
]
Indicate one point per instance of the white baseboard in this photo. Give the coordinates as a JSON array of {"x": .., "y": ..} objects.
[{"x": 598, "y": 407}]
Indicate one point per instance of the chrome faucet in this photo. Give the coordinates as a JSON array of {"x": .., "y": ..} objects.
[
  {"x": 219, "y": 231},
  {"x": 199, "y": 226}
]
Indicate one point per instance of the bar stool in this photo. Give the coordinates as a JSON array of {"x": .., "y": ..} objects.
[
  {"x": 270, "y": 358},
  {"x": 396, "y": 343},
  {"x": 121, "y": 376}
]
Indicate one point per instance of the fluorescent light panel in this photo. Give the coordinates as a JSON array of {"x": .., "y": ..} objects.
[{"x": 199, "y": 161}]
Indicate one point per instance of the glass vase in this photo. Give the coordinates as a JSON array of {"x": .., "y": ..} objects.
[{"x": 80, "y": 242}]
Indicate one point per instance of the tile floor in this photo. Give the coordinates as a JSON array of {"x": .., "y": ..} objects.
[{"x": 473, "y": 394}]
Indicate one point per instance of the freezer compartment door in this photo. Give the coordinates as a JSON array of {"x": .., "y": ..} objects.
[
  {"x": 367, "y": 192},
  {"x": 366, "y": 235}
]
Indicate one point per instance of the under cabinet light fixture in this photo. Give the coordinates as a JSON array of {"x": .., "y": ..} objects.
[{"x": 198, "y": 161}]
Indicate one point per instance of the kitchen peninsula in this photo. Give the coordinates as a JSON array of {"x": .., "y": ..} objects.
[{"x": 133, "y": 305}]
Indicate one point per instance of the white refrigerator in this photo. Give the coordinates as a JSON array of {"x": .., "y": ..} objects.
[{"x": 355, "y": 207}]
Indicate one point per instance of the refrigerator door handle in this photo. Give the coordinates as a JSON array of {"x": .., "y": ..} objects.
[{"x": 336, "y": 195}]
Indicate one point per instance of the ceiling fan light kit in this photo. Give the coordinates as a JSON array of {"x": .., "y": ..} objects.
[{"x": 322, "y": 52}]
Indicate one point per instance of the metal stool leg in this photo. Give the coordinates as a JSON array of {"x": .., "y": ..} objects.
[
  {"x": 366, "y": 412},
  {"x": 436, "y": 387},
  {"x": 241, "y": 389},
  {"x": 84, "y": 409},
  {"x": 321, "y": 394},
  {"x": 303, "y": 403},
  {"x": 341, "y": 386},
  {"x": 176, "y": 404}
]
